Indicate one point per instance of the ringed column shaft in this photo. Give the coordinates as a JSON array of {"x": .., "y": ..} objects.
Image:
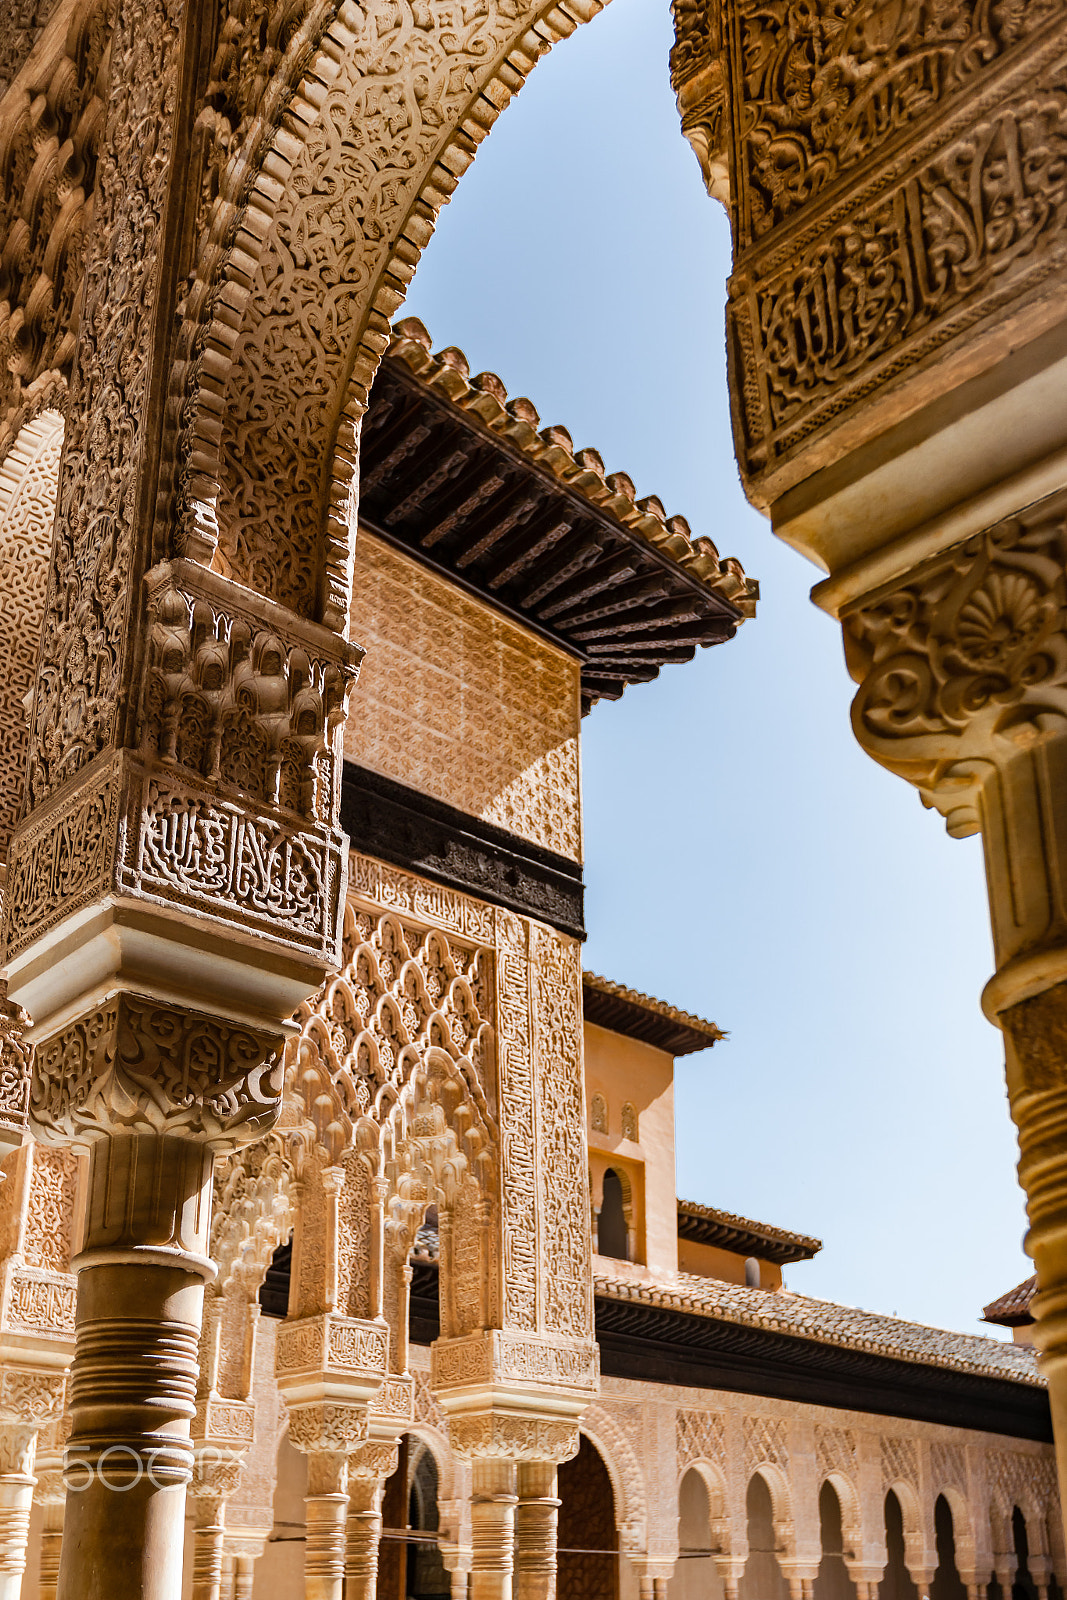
[
  {"x": 536, "y": 1523},
  {"x": 327, "y": 1508},
  {"x": 493, "y": 1503},
  {"x": 363, "y": 1536},
  {"x": 141, "y": 1283},
  {"x": 17, "y": 1448}
]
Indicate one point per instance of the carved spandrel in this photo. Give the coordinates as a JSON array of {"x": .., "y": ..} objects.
[
  {"x": 824, "y": 87},
  {"x": 83, "y": 663},
  {"x": 897, "y": 183}
]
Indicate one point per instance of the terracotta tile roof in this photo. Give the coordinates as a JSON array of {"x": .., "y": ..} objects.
[
  {"x": 517, "y": 420},
  {"x": 1012, "y": 1310},
  {"x": 705, "y": 1225},
  {"x": 823, "y": 1322},
  {"x": 641, "y": 1016}
]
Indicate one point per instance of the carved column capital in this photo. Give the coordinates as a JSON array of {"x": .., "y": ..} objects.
[
  {"x": 135, "y": 1065},
  {"x": 962, "y": 673},
  {"x": 496, "y": 1436},
  {"x": 327, "y": 1427},
  {"x": 964, "y": 662}
]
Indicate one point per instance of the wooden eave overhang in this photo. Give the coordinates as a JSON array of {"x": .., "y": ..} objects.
[
  {"x": 460, "y": 477},
  {"x": 704, "y": 1225},
  {"x": 641, "y": 1016}
]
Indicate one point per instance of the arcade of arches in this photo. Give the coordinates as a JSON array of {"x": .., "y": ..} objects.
[{"x": 294, "y": 1001}]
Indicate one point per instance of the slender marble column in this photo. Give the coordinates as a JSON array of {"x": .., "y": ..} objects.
[
  {"x": 133, "y": 1383},
  {"x": 327, "y": 1507},
  {"x": 18, "y": 1445},
  {"x": 363, "y": 1535},
  {"x": 536, "y": 1520},
  {"x": 493, "y": 1502}
]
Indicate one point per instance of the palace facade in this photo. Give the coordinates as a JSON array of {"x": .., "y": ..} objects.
[
  {"x": 303, "y": 1171},
  {"x": 457, "y": 1319}
]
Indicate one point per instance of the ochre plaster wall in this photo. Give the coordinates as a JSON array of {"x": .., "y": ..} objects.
[
  {"x": 460, "y": 703},
  {"x": 621, "y": 1070},
  {"x": 708, "y": 1261}
]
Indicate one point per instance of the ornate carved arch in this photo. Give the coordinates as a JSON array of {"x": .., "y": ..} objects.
[
  {"x": 388, "y": 1070},
  {"x": 252, "y": 1213},
  {"x": 390, "y": 113},
  {"x": 29, "y": 483},
  {"x": 627, "y": 1478}
]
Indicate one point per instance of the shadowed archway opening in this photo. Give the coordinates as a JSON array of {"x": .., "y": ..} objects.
[
  {"x": 588, "y": 1565},
  {"x": 612, "y": 1233},
  {"x": 696, "y": 1572},
  {"x": 947, "y": 1584},
  {"x": 832, "y": 1581},
  {"x": 896, "y": 1581},
  {"x": 1024, "y": 1587},
  {"x": 762, "y": 1578}
]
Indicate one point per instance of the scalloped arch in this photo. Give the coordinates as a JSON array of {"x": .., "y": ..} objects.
[{"x": 379, "y": 128}]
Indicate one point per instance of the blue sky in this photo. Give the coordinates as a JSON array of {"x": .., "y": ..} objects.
[{"x": 744, "y": 859}]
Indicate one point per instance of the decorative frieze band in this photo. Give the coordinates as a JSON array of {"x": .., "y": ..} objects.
[
  {"x": 495, "y": 1357},
  {"x": 151, "y": 834}
]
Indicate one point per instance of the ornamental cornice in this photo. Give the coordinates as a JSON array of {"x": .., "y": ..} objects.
[
  {"x": 502, "y": 1361},
  {"x": 895, "y": 182}
]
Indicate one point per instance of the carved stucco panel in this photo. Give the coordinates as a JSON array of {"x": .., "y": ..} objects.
[
  {"x": 100, "y": 495},
  {"x": 29, "y": 479}
]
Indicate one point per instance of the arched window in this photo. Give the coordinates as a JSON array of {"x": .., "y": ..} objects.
[
  {"x": 832, "y": 1581},
  {"x": 762, "y": 1578},
  {"x": 896, "y": 1581},
  {"x": 587, "y": 1564},
  {"x": 611, "y": 1225},
  {"x": 426, "y": 1575},
  {"x": 947, "y": 1584},
  {"x": 696, "y": 1574},
  {"x": 752, "y": 1273}
]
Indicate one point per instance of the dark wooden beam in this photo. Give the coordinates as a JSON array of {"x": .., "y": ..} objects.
[
  {"x": 522, "y": 553},
  {"x": 574, "y": 559},
  {"x": 408, "y": 440},
  {"x": 517, "y": 514},
  {"x": 446, "y": 468},
  {"x": 603, "y": 576},
  {"x": 470, "y": 498}
]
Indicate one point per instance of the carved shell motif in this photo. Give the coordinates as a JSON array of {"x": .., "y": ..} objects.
[{"x": 1002, "y": 617}]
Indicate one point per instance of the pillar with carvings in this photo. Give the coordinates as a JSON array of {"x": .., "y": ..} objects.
[
  {"x": 898, "y": 371},
  {"x": 174, "y": 887},
  {"x": 513, "y": 1506}
]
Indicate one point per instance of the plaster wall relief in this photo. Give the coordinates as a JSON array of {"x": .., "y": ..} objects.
[
  {"x": 894, "y": 191},
  {"x": 29, "y": 479},
  {"x": 451, "y": 1035},
  {"x": 458, "y": 702}
]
